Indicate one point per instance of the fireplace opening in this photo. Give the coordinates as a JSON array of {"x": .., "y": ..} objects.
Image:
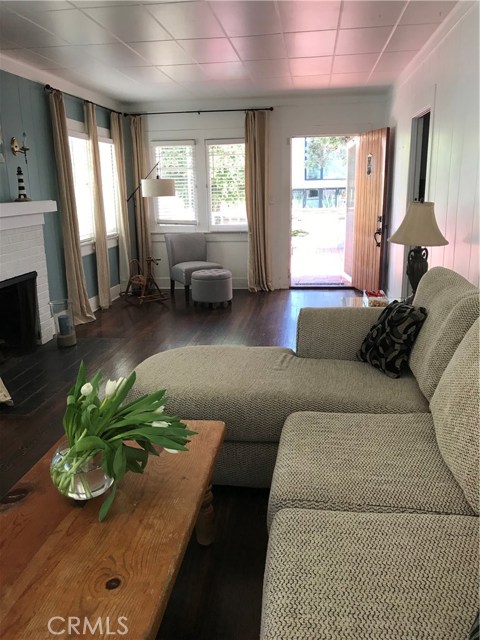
[{"x": 19, "y": 326}]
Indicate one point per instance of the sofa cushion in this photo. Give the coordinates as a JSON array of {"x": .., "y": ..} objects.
[
  {"x": 452, "y": 305},
  {"x": 376, "y": 576},
  {"x": 455, "y": 411},
  {"x": 254, "y": 389},
  {"x": 363, "y": 462},
  {"x": 388, "y": 343}
]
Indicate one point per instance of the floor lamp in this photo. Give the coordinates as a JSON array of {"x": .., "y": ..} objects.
[
  {"x": 145, "y": 282},
  {"x": 418, "y": 230}
]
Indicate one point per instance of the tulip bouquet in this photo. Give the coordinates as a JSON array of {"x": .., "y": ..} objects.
[{"x": 119, "y": 436}]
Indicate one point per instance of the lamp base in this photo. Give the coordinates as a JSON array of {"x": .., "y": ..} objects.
[{"x": 417, "y": 265}]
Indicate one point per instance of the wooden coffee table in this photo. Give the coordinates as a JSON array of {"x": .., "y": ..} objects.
[{"x": 63, "y": 573}]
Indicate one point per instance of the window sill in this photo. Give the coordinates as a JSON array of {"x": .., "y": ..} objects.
[{"x": 87, "y": 247}]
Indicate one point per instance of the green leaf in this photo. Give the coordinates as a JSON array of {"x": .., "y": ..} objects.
[
  {"x": 145, "y": 402},
  {"x": 102, "y": 514},
  {"x": 119, "y": 463},
  {"x": 90, "y": 443}
]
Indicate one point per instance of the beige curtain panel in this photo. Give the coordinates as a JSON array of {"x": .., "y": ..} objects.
[
  {"x": 141, "y": 208},
  {"x": 77, "y": 290},
  {"x": 101, "y": 248},
  {"x": 124, "y": 246},
  {"x": 257, "y": 198}
]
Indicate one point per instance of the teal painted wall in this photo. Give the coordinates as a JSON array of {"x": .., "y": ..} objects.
[{"x": 24, "y": 107}]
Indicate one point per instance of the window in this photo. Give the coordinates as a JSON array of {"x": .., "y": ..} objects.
[
  {"x": 177, "y": 161},
  {"x": 109, "y": 186},
  {"x": 226, "y": 184},
  {"x": 80, "y": 157},
  {"x": 83, "y": 185}
]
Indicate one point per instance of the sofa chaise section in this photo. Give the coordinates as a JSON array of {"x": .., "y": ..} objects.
[{"x": 254, "y": 389}]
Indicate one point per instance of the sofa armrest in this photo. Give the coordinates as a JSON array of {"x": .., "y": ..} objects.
[{"x": 335, "y": 333}]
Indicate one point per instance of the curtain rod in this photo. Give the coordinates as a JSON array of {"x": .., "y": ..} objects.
[
  {"x": 50, "y": 89},
  {"x": 199, "y": 111}
]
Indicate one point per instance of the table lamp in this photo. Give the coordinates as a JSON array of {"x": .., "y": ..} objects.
[{"x": 419, "y": 229}]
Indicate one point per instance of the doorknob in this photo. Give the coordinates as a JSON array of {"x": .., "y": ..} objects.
[{"x": 378, "y": 233}]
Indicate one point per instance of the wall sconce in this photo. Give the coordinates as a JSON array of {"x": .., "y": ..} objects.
[{"x": 16, "y": 148}]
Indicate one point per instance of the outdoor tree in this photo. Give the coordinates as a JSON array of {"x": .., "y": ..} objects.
[
  {"x": 227, "y": 175},
  {"x": 324, "y": 150}
]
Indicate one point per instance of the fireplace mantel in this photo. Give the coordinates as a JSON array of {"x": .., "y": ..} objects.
[{"x": 15, "y": 215}]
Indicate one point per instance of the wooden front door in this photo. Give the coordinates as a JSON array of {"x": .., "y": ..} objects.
[{"x": 370, "y": 209}]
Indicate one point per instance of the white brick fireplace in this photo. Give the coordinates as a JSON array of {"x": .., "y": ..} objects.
[{"x": 22, "y": 250}]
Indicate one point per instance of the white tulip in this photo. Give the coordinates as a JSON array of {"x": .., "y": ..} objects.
[
  {"x": 157, "y": 423},
  {"x": 87, "y": 389},
  {"x": 119, "y": 382},
  {"x": 110, "y": 388},
  {"x": 160, "y": 409},
  {"x": 171, "y": 450}
]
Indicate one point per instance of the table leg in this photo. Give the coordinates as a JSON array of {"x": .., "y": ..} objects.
[{"x": 205, "y": 525}]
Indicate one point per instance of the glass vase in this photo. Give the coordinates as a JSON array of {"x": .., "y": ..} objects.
[{"x": 78, "y": 476}]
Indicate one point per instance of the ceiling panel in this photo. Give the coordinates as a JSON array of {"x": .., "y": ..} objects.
[
  {"x": 210, "y": 50},
  {"x": 419, "y": 12},
  {"x": 187, "y": 20},
  {"x": 310, "y": 66},
  {"x": 247, "y": 18},
  {"x": 354, "y": 64},
  {"x": 370, "y": 14},
  {"x": 309, "y": 16},
  {"x": 266, "y": 47},
  {"x": 24, "y": 33},
  {"x": 146, "y": 75},
  {"x": 130, "y": 23},
  {"x": 394, "y": 61},
  {"x": 162, "y": 52},
  {"x": 411, "y": 38},
  {"x": 184, "y": 72},
  {"x": 73, "y": 26},
  {"x": 67, "y": 57},
  {"x": 32, "y": 58},
  {"x": 116, "y": 55},
  {"x": 308, "y": 44},
  {"x": 353, "y": 41},
  {"x": 262, "y": 69},
  {"x": 225, "y": 70}
]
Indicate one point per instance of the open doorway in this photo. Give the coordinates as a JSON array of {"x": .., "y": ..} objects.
[{"x": 319, "y": 221}]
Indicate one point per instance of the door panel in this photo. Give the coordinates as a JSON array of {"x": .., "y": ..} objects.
[{"x": 370, "y": 208}]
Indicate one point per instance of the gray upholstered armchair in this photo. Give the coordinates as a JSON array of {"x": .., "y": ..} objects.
[{"x": 187, "y": 252}]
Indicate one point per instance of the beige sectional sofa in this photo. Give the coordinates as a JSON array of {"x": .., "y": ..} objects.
[{"x": 373, "y": 507}]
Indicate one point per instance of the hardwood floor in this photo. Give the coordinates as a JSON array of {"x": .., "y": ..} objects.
[{"x": 217, "y": 595}]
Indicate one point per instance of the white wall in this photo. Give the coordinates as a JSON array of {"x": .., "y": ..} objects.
[
  {"x": 342, "y": 114},
  {"x": 445, "y": 78}
]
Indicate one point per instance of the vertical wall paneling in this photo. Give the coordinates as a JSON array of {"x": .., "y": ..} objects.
[{"x": 448, "y": 68}]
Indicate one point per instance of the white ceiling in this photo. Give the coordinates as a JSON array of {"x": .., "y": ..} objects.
[{"x": 160, "y": 51}]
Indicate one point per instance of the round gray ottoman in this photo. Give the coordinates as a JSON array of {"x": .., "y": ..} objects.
[{"x": 212, "y": 286}]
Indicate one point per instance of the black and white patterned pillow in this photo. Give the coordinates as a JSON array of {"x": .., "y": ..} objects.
[{"x": 388, "y": 344}]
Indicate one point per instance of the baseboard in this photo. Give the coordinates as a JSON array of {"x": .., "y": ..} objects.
[
  {"x": 114, "y": 293},
  {"x": 164, "y": 283}
]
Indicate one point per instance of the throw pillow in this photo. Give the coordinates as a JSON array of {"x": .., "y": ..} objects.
[{"x": 390, "y": 340}]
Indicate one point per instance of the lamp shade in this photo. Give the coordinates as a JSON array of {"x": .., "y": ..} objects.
[
  {"x": 419, "y": 227},
  {"x": 158, "y": 188}
]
